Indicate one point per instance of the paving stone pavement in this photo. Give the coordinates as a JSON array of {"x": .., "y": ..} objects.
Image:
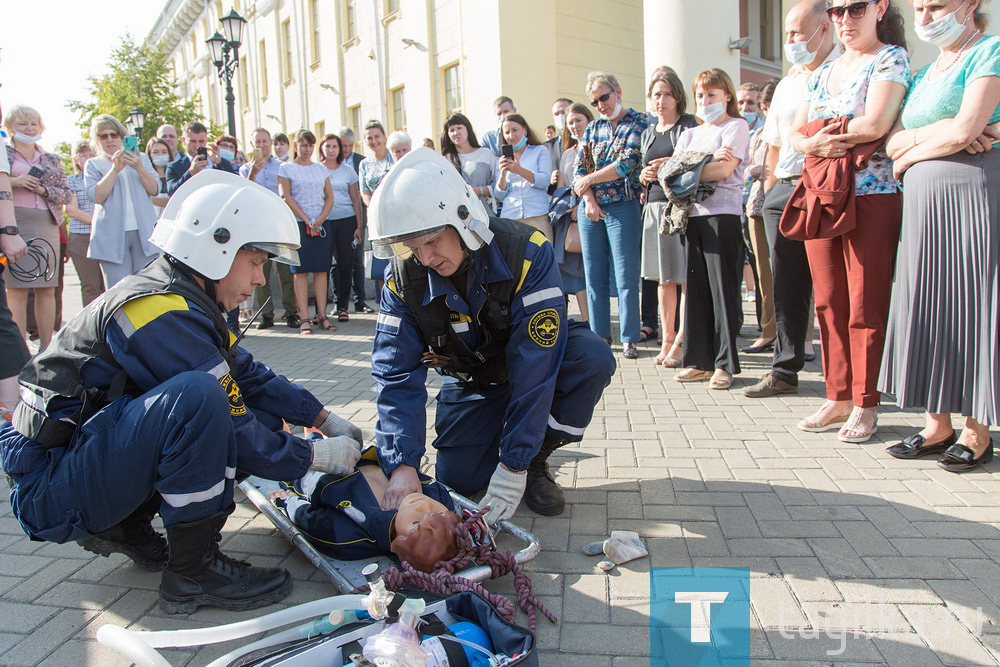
[{"x": 902, "y": 556}]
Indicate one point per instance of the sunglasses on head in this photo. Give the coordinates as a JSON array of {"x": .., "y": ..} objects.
[
  {"x": 601, "y": 100},
  {"x": 855, "y": 10}
]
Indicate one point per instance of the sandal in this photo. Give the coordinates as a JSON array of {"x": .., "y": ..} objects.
[
  {"x": 693, "y": 375},
  {"x": 960, "y": 458},
  {"x": 814, "y": 423},
  {"x": 665, "y": 360},
  {"x": 647, "y": 332},
  {"x": 323, "y": 322},
  {"x": 721, "y": 379},
  {"x": 305, "y": 328},
  {"x": 342, "y": 315},
  {"x": 854, "y": 425}
]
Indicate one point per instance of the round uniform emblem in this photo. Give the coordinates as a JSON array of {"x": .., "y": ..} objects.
[
  {"x": 344, "y": 503},
  {"x": 544, "y": 327}
]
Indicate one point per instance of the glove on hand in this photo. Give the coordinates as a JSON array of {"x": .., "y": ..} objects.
[
  {"x": 333, "y": 426},
  {"x": 336, "y": 455},
  {"x": 504, "y": 494}
]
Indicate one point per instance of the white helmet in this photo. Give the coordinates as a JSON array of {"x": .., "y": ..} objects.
[
  {"x": 419, "y": 196},
  {"x": 216, "y": 213}
]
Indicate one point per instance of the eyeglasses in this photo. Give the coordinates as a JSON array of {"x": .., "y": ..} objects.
[
  {"x": 108, "y": 135},
  {"x": 601, "y": 100},
  {"x": 855, "y": 10}
]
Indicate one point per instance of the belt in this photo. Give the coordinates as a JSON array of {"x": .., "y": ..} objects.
[{"x": 791, "y": 180}]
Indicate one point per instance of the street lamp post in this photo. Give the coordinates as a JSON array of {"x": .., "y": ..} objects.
[
  {"x": 224, "y": 51},
  {"x": 136, "y": 121}
]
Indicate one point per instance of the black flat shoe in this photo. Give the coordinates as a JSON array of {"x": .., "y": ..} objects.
[
  {"x": 914, "y": 447},
  {"x": 763, "y": 347},
  {"x": 811, "y": 356},
  {"x": 959, "y": 458}
]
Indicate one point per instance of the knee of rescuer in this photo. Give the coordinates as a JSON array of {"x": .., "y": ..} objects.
[{"x": 198, "y": 391}]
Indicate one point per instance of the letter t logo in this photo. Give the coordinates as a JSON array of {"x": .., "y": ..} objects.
[{"x": 701, "y": 618}]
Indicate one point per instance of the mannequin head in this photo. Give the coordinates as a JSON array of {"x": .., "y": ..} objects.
[{"x": 424, "y": 532}]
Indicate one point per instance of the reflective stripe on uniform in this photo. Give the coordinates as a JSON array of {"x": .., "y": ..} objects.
[
  {"x": 390, "y": 322},
  {"x": 219, "y": 371},
  {"x": 185, "y": 499},
  {"x": 460, "y": 327},
  {"x": 32, "y": 399},
  {"x": 572, "y": 430},
  {"x": 137, "y": 313},
  {"x": 542, "y": 295}
]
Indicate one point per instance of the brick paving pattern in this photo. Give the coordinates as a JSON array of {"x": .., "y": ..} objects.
[{"x": 837, "y": 537}]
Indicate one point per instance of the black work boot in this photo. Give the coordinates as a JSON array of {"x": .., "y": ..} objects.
[
  {"x": 199, "y": 573},
  {"x": 541, "y": 493},
  {"x": 133, "y": 536}
]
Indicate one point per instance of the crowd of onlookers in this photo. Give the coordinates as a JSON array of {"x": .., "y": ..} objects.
[{"x": 852, "y": 192}]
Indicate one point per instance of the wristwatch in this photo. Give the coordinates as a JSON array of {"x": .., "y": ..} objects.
[{"x": 10, "y": 230}]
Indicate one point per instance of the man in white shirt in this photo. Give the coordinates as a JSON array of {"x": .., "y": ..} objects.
[{"x": 808, "y": 45}]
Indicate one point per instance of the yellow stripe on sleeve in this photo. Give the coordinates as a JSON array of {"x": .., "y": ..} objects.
[
  {"x": 538, "y": 238},
  {"x": 392, "y": 286},
  {"x": 527, "y": 266},
  {"x": 145, "y": 309}
]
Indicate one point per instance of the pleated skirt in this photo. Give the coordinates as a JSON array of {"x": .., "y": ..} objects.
[{"x": 942, "y": 350}]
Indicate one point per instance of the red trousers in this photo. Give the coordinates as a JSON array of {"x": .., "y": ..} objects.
[{"x": 852, "y": 279}]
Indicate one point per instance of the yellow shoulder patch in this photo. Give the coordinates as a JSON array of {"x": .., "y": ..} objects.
[
  {"x": 538, "y": 238},
  {"x": 232, "y": 338},
  {"x": 392, "y": 285},
  {"x": 145, "y": 309},
  {"x": 525, "y": 268}
]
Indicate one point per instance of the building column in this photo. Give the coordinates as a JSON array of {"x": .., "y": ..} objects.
[{"x": 691, "y": 37}]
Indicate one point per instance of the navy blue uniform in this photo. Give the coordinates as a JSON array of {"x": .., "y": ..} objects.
[
  {"x": 557, "y": 373},
  {"x": 191, "y": 421},
  {"x": 341, "y": 516}
]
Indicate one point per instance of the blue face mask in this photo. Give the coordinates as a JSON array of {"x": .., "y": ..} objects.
[
  {"x": 522, "y": 143},
  {"x": 227, "y": 155},
  {"x": 750, "y": 118}
]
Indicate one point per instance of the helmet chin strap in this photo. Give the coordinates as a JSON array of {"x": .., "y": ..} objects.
[{"x": 208, "y": 283}]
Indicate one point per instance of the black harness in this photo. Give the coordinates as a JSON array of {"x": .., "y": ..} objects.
[{"x": 449, "y": 355}]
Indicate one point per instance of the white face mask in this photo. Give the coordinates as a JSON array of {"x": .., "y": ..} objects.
[
  {"x": 944, "y": 31},
  {"x": 614, "y": 114},
  {"x": 711, "y": 112},
  {"x": 25, "y": 138},
  {"x": 798, "y": 53},
  {"x": 560, "y": 122},
  {"x": 161, "y": 160}
]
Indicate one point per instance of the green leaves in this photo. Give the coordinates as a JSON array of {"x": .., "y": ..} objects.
[{"x": 138, "y": 76}]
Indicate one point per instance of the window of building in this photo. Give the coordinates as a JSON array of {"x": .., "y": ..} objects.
[
  {"x": 350, "y": 20},
  {"x": 244, "y": 84},
  {"x": 314, "y": 32},
  {"x": 204, "y": 28},
  {"x": 354, "y": 116},
  {"x": 194, "y": 47},
  {"x": 770, "y": 15},
  {"x": 452, "y": 88},
  {"x": 398, "y": 110},
  {"x": 262, "y": 64},
  {"x": 218, "y": 9},
  {"x": 319, "y": 129},
  {"x": 286, "y": 50},
  {"x": 236, "y": 5},
  {"x": 213, "y": 109}
]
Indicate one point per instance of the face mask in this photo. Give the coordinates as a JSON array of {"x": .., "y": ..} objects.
[
  {"x": 711, "y": 112},
  {"x": 750, "y": 118},
  {"x": 614, "y": 114},
  {"x": 798, "y": 53},
  {"x": 943, "y": 31},
  {"x": 522, "y": 143},
  {"x": 227, "y": 155},
  {"x": 161, "y": 160},
  {"x": 25, "y": 139},
  {"x": 560, "y": 122}
]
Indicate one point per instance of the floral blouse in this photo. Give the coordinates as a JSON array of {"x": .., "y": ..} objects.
[
  {"x": 891, "y": 63},
  {"x": 601, "y": 146},
  {"x": 372, "y": 171}
]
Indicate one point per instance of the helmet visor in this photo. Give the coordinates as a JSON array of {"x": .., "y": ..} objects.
[
  {"x": 279, "y": 252},
  {"x": 403, "y": 246}
]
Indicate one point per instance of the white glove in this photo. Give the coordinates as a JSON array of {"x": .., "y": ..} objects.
[
  {"x": 336, "y": 455},
  {"x": 504, "y": 494},
  {"x": 333, "y": 426}
]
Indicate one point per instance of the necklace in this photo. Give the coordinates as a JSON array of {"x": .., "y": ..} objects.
[{"x": 956, "y": 56}]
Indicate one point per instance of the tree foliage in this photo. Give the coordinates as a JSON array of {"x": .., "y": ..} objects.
[{"x": 138, "y": 77}]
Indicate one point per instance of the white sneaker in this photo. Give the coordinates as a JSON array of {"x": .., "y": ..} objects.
[{"x": 751, "y": 297}]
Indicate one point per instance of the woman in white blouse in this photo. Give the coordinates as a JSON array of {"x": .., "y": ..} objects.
[{"x": 524, "y": 178}]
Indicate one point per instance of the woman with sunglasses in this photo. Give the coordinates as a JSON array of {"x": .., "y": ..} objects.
[
  {"x": 852, "y": 272},
  {"x": 120, "y": 182},
  {"x": 607, "y": 181},
  {"x": 941, "y": 347}
]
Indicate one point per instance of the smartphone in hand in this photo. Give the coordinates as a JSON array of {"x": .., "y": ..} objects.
[
  {"x": 507, "y": 151},
  {"x": 202, "y": 152},
  {"x": 36, "y": 172},
  {"x": 130, "y": 143}
]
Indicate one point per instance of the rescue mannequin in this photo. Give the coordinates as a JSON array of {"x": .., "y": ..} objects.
[
  {"x": 480, "y": 300},
  {"x": 144, "y": 403}
]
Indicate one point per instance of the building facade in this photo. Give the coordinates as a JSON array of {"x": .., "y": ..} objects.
[{"x": 323, "y": 64}]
